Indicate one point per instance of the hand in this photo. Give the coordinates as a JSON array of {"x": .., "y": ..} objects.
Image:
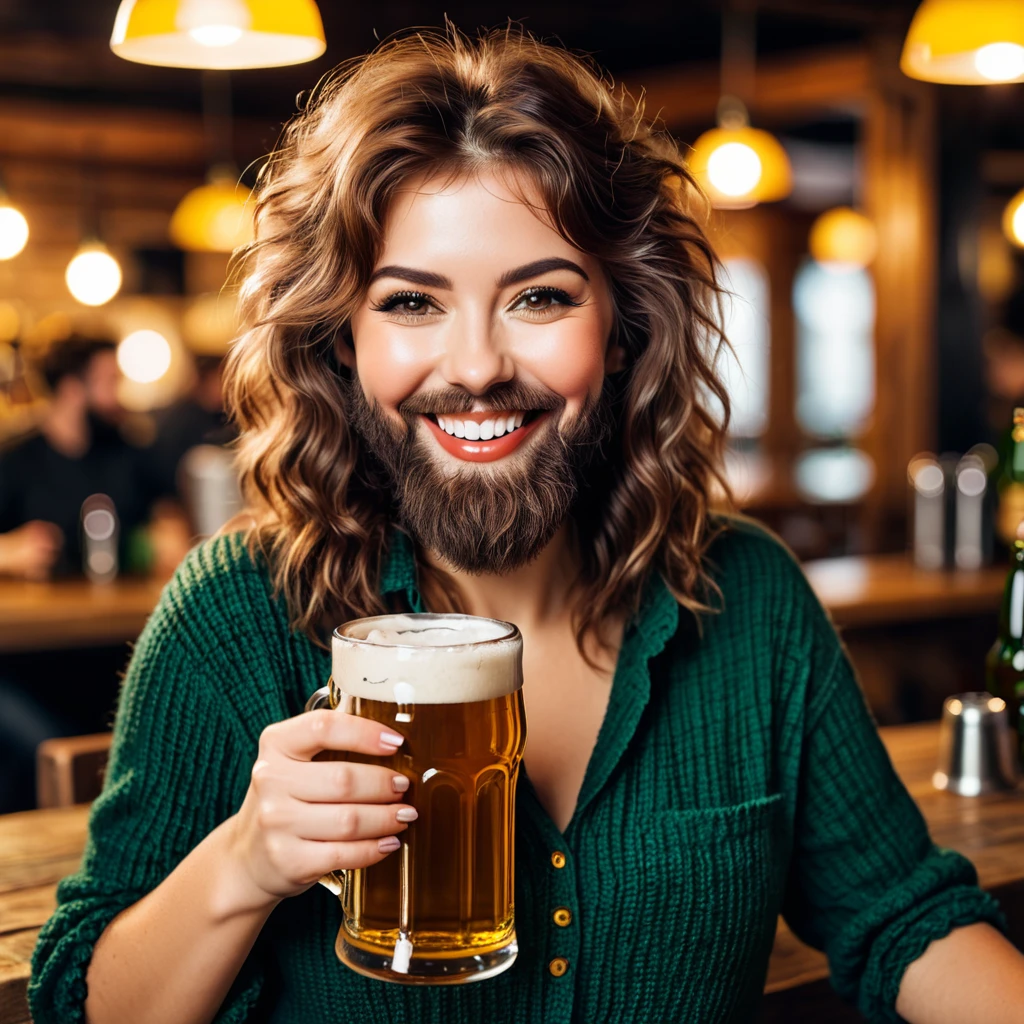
[
  {"x": 30, "y": 550},
  {"x": 302, "y": 818}
]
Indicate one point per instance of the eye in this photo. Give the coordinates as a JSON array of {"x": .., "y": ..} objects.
[
  {"x": 541, "y": 299},
  {"x": 408, "y": 304}
]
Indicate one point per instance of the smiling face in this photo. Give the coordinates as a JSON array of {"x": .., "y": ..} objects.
[{"x": 481, "y": 349}]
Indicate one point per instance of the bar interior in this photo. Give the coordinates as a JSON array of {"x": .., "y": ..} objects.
[{"x": 867, "y": 196}]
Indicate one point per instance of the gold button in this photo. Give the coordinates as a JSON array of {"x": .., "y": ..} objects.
[
  {"x": 562, "y": 917},
  {"x": 558, "y": 966},
  {"x": 558, "y": 859}
]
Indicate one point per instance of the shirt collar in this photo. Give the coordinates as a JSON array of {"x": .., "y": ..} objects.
[
  {"x": 655, "y": 622},
  {"x": 398, "y": 570}
]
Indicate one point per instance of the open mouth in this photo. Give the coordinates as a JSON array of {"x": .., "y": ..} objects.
[
  {"x": 472, "y": 428},
  {"x": 483, "y": 437}
]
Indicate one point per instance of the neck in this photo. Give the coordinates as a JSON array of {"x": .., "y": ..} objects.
[
  {"x": 66, "y": 429},
  {"x": 532, "y": 596}
]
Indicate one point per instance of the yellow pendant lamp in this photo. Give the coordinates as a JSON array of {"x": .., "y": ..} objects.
[
  {"x": 966, "y": 42},
  {"x": 843, "y": 237},
  {"x": 739, "y": 166},
  {"x": 218, "y": 34},
  {"x": 1013, "y": 220},
  {"x": 215, "y": 217}
]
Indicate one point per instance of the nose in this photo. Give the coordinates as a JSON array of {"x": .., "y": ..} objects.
[{"x": 474, "y": 358}]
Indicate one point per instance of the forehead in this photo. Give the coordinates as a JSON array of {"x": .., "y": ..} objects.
[{"x": 473, "y": 217}]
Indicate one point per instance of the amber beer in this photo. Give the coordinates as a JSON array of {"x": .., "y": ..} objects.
[{"x": 440, "y": 910}]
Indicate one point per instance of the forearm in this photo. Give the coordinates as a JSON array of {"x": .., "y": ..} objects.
[
  {"x": 972, "y": 976},
  {"x": 171, "y": 957}
]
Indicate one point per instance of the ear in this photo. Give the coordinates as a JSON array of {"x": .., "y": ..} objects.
[{"x": 344, "y": 350}]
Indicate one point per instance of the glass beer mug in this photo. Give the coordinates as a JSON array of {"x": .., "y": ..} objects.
[{"x": 440, "y": 909}]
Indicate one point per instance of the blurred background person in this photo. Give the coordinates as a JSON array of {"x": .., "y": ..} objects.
[{"x": 76, "y": 452}]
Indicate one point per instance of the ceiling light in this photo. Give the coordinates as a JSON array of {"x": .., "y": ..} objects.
[
  {"x": 214, "y": 217},
  {"x": 966, "y": 42},
  {"x": 144, "y": 356},
  {"x": 741, "y": 166},
  {"x": 218, "y": 34},
  {"x": 843, "y": 236},
  {"x": 93, "y": 276}
]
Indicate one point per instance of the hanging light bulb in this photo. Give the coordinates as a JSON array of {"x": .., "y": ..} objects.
[
  {"x": 220, "y": 34},
  {"x": 739, "y": 166},
  {"x": 13, "y": 231},
  {"x": 966, "y": 42},
  {"x": 214, "y": 217},
  {"x": 144, "y": 356},
  {"x": 93, "y": 276},
  {"x": 1013, "y": 220},
  {"x": 843, "y": 237}
]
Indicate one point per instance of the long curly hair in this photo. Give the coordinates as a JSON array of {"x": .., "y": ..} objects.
[{"x": 614, "y": 185}]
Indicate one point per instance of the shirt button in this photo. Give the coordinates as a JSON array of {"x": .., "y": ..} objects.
[
  {"x": 562, "y": 917},
  {"x": 558, "y": 966},
  {"x": 558, "y": 859}
]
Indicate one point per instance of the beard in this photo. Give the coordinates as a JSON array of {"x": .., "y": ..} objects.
[{"x": 486, "y": 517}]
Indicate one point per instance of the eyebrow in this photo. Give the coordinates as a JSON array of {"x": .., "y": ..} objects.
[{"x": 428, "y": 279}]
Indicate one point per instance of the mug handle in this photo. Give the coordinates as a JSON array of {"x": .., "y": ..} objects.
[{"x": 336, "y": 881}]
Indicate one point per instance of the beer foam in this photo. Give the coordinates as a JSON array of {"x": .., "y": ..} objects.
[{"x": 427, "y": 659}]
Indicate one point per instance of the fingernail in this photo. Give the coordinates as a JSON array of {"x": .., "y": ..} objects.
[
  {"x": 389, "y": 844},
  {"x": 407, "y": 814},
  {"x": 391, "y": 739},
  {"x": 399, "y": 783}
]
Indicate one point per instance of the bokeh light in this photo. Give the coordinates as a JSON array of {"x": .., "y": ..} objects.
[
  {"x": 1000, "y": 62},
  {"x": 13, "y": 232},
  {"x": 93, "y": 276},
  {"x": 734, "y": 168},
  {"x": 144, "y": 356}
]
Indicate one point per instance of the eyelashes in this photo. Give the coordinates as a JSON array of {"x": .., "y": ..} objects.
[{"x": 394, "y": 302}]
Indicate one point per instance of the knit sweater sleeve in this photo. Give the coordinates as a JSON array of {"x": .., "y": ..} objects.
[
  {"x": 179, "y": 766},
  {"x": 866, "y": 882}
]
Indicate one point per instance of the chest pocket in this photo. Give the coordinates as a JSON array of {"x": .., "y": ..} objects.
[{"x": 699, "y": 904}]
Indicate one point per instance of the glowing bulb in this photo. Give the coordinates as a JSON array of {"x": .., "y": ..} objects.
[
  {"x": 1013, "y": 219},
  {"x": 734, "y": 168},
  {"x": 93, "y": 276},
  {"x": 144, "y": 356},
  {"x": 216, "y": 35},
  {"x": 1000, "y": 62},
  {"x": 13, "y": 232}
]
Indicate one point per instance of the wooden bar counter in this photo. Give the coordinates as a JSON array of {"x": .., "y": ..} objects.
[
  {"x": 37, "y": 848},
  {"x": 856, "y": 591}
]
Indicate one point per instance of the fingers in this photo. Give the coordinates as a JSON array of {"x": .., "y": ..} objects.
[
  {"x": 347, "y": 782},
  {"x": 335, "y": 822},
  {"x": 363, "y": 853},
  {"x": 307, "y": 734}
]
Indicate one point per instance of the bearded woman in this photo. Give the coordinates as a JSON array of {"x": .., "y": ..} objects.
[{"x": 479, "y": 375}]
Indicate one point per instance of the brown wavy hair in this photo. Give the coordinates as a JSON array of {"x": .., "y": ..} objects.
[{"x": 614, "y": 185}]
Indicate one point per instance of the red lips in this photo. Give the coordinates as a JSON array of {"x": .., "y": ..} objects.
[{"x": 482, "y": 451}]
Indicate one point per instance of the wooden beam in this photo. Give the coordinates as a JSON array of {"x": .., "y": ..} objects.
[
  {"x": 795, "y": 85},
  {"x": 80, "y": 133}
]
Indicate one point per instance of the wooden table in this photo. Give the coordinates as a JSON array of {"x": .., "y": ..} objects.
[
  {"x": 39, "y": 847},
  {"x": 73, "y": 613},
  {"x": 882, "y": 589},
  {"x": 857, "y": 591}
]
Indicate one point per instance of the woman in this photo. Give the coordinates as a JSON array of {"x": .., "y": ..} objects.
[{"x": 477, "y": 376}]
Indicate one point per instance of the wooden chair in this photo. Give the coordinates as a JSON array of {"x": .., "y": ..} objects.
[{"x": 69, "y": 770}]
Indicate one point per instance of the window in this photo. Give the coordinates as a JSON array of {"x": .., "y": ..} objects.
[
  {"x": 744, "y": 370},
  {"x": 835, "y": 319}
]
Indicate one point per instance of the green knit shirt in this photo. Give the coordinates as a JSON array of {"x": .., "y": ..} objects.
[{"x": 737, "y": 775}]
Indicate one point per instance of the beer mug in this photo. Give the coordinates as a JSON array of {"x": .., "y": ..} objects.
[{"x": 440, "y": 909}]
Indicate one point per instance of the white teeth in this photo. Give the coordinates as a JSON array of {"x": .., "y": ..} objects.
[{"x": 497, "y": 426}]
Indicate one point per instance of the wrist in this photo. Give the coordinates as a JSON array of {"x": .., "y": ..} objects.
[{"x": 235, "y": 892}]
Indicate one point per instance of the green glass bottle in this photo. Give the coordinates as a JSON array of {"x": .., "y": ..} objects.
[
  {"x": 1010, "y": 480},
  {"x": 1004, "y": 666}
]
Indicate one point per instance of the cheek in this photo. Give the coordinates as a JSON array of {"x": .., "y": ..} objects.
[
  {"x": 391, "y": 363},
  {"x": 568, "y": 357}
]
